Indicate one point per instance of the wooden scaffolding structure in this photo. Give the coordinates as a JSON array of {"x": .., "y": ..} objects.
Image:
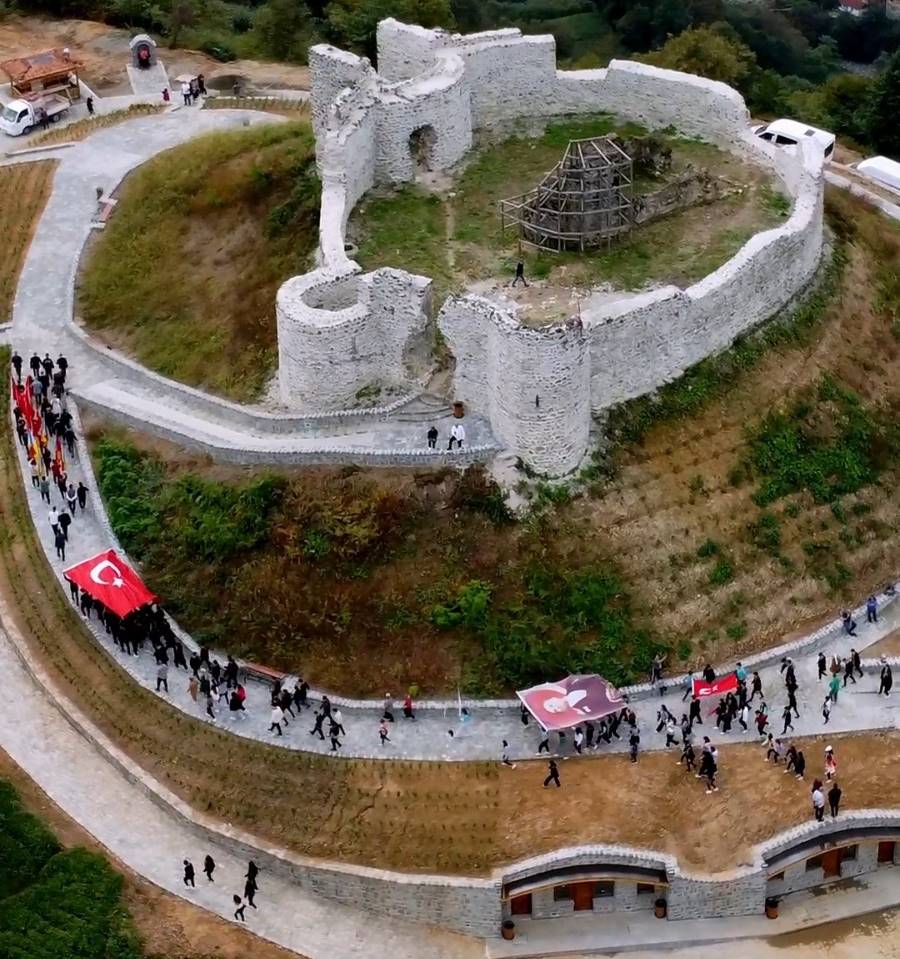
[{"x": 583, "y": 203}]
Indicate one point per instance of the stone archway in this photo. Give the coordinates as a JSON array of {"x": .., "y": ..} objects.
[{"x": 421, "y": 148}]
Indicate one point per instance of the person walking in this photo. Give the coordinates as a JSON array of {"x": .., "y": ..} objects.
[
  {"x": 744, "y": 717},
  {"x": 193, "y": 687},
  {"x": 504, "y": 756},
  {"x": 188, "y": 877},
  {"x": 787, "y": 716},
  {"x": 388, "y": 714},
  {"x": 186, "y": 93},
  {"x": 276, "y": 720},
  {"x": 59, "y": 540},
  {"x": 162, "y": 677},
  {"x": 333, "y": 731},
  {"x": 383, "y": 732},
  {"x": 544, "y": 744},
  {"x": 857, "y": 664},
  {"x": 792, "y": 701},
  {"x": 252, "y": 872},
  {"x": 818, "y": 801},
  {"x": 687, "y": 756},
  {"x": 82, "y": 492},
  {"x": 887, "y": 678},
  {"x": 834, "y": 799},
  {"x": 830, "y": 764},
  {"x": 755, "y": 687},
  {"x": 250, "y": 890},
  {"x": 319, "y": 720},
  {"x": 520, "y": 274},
  {"x": 634, "y": 742},
  {"x": 408, "y": 707},
  {"x": 209, "y": 867},
  {"x": 89, "y": 103},
  {"x": 834, "y": 687},
  {"x": 822, "y": 664},
  {"x": 16, "y": 361},
  {"x": 578, "y": 741},
  {"x": 552, "y": 774},
  {"x": 457, "y": 435},
  {"x": 848, "y": 624},
  {"x": 239, "y": 911},
  {"x": 871, "y": 609},
  {"x": 694, "y": 712},
  {"x": 71, "y": 498},
  {"x": 65, "y": 521},
  {"x": 337, "y": 717},
  {"x": 53, "y": 519},
  {"x": 826, "y": 709},
  {"x": 432, "y": 435},
  {"x": 799, "y": 764},
  {"x": 209, "y": 706},
  {"x": 670, "y": 734},
  {"x": 848, "y": 673},
  {"x": 45, "y": 489}
]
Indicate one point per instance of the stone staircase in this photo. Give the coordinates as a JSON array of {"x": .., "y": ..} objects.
[{"x": 229, "y": 433}]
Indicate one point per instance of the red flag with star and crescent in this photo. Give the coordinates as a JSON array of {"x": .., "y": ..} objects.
[{"x": 110, "y": 579}]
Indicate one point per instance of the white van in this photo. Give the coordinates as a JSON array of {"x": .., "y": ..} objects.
[
  {"x": 882, "y": 170},
  {"x": 790, "y": 132}
]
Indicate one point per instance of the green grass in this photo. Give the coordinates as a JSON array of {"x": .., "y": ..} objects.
[
  {"x": 185, "y": 274},
  {"x": 458, "y": 239},
  {"x": 826, "y": 442},
  {"x": 54, "y": 903}
]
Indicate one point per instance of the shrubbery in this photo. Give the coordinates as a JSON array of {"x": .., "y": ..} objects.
[{"x": 56, "y": 904}]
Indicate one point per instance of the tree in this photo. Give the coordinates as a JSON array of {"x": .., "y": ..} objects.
[
  {"x": 181, "y": 15},
  {"x": 282, "y": 27},
  {"x": 883, "y": 125},
  {"x": 706, "y": 52},
  {"x": 353, "y": 23},
  {"x": 845, "y": 102}
]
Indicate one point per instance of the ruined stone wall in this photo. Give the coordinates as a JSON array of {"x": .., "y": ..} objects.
[
  {"x": 340, "y": 333},
  {"x": 533, "y": 384}
]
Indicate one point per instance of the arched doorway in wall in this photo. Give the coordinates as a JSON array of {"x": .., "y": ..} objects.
[{"x": 421, "y": 148}]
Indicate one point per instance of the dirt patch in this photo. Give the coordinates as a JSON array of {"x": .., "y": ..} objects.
[
  {"x": 104, "y": 52},
  {"x": 889, "y": 646},
  {"x": 168, "y": 926}
]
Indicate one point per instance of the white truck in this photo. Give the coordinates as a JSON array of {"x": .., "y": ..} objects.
[{"x": 22, "y": 116}]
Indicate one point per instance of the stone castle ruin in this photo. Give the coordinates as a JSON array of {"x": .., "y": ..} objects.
[
  {"x": 583, "y": 203},
  {"x": 340, "y": 330}
]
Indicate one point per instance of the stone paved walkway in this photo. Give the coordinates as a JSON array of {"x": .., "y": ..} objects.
[
  {"x": 43, "y": 313},
  {"x": 428, "y": 736},
  {"x": 153, "y": 841}
]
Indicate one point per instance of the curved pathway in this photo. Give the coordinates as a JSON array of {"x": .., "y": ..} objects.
[
  {"x": 428, "y": 737},
  {"x": 152, "y": 840},
  {"x": 43, "y": 319}
]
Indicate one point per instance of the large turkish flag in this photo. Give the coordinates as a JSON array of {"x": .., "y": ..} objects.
[
  {"x": 718, "y": 687},
  {"x": 107, "y": 578}
]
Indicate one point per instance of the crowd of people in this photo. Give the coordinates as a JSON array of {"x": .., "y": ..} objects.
[{"x": 45, "y": 430}]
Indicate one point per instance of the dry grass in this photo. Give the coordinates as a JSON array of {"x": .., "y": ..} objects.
[
  {"x": 184, "y": 276},
  {"x": 293, "y": 109},
  {"x": 24, "y": 188},
  {"x": 83, "y": 128}
]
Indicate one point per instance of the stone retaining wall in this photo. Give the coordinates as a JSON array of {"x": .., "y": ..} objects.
[{"x": 450, "y": 85}]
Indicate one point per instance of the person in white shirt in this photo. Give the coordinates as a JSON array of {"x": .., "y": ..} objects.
[
  {"x": 457, "y": 435},
  {"x": 186, "y": 93},
  {"x": 818, "y": 801}
]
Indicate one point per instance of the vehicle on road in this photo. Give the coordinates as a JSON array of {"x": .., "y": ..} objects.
[{"x": 22, "y": 116}]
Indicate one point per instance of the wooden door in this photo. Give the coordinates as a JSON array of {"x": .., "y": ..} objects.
[
  {"x": 831, "y": 863},
  {"x": 885, "y": 852},
  {"x": 583, "y": 896},
  {"x": 520, "y": 905}
]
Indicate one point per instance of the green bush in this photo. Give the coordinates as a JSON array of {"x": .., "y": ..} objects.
[
  {"x": 722, "y": 572},
  {"x": 709, "y": 548},
  {"x": 826, "y": 442},
  {"x": 56, "y": 904},
  {"x": 765, "y": 533}
]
